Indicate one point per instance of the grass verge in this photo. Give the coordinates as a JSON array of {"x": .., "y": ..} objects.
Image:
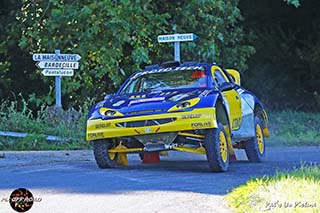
[
  {"x": 17, "y": 117},
  {"x": 295, "y": 191},
  {"x": 294, "y": 128}
]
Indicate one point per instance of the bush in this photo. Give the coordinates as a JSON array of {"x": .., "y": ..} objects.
[{"x": 70, "y": 125}]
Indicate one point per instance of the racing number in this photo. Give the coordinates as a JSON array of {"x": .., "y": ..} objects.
[{"x": 231, "y": 97}]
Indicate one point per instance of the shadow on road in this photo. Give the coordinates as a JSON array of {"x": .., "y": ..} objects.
[{"x": 178, "y": 172}]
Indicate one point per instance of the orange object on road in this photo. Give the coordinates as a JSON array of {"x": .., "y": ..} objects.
[
  {"x": 152, "y": 157},
  {"x": 232, "y": 157}
]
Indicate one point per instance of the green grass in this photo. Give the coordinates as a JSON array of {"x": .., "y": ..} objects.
[
  {"x": 294, "y": 128},
  {"x": 295, "y": 191},
  {"x": 19, "y": 118}
]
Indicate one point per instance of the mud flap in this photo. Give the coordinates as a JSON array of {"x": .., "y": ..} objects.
[
  {"x": 122, "y": 156},
  {"x": 232, "y": 156},
  {"x": 266, "y": 132}
]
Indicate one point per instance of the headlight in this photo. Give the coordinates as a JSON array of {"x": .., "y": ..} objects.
[
  {"x": 109, "y": 112},
  {"x": 185, "y": 104}
]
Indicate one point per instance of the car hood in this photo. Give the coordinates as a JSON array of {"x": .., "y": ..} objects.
[{"x": 158, "y": 101}]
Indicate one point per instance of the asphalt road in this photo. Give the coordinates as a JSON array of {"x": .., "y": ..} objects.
[{"x": 70, "y": 181}]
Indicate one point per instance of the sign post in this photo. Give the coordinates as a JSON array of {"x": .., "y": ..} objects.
[
  {"x": 58, "y": 85},
  {"x": 177, "y": 51},
  {"x": 177, "y": 38},
  {"x": 57, "y": 65}
]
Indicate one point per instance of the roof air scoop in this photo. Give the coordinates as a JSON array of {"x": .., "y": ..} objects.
[{"x": 171, "y": 64}]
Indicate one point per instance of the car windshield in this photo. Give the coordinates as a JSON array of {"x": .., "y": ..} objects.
[{"x": 167, "y": 80}]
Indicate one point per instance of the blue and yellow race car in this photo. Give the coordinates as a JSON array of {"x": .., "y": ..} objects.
[{"x": 192, "y": 107}]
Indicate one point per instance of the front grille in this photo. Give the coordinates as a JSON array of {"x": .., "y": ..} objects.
[
  {"x": 153, "y": 122},
  {"x": 143, "y": 112}
]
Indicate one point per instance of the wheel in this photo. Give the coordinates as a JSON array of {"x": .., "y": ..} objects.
[
  {"x": 103, "y": 158},
  {"x": 255, "y": 147},
  {"x": 216, "y": 146}
]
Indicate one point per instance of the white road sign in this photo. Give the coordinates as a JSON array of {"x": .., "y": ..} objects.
[
  {"x": 55, "y": 57},
  {"x": 57, "y": 65},
  {"x": 55, "y": 72},
  {"x": 177, "y": 37}
]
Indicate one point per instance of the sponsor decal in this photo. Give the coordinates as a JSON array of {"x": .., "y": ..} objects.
[
  {"x": 179, "y": 97},
  {"x": 146, "y": 100},
  {"x": 155, "y": 91},
  {"x": 138, "y": 96},
  {"x": 167, "y": 70},
  {"x": 205, "y": 93},
  {"x": 190, "y": 116},
  {"x": 236, "y": 123},
  {"x": 103, "y": 125},
  {"x": 201, "y": 124},
  {"x": 95, "y": 135},
  {"x": 165, "y": 93},
  {"x": 118, "y": 103}
]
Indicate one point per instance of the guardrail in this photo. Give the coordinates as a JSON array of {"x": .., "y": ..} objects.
[{"x": 23, "y": 135}]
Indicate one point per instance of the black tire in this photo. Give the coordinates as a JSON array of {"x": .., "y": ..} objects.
[
  {"x": 255, "y": 147},
  {"x": 103, "y": 159},
  {"x": 217, "y": 161}
]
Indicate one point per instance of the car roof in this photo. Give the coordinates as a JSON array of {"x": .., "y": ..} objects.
[{"x": 170, "y": 64}]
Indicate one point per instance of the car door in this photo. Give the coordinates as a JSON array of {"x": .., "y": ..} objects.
[{"x": 231, "y": 98}]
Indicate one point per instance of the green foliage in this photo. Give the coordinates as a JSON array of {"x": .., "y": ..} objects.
[
  {"x": 284, "y": 71},
  {"x": 294, "y": 191},
  {"x": 294, "y": 128},
  {"x": 295, "y": 3},
  {"x": 7, "y": 15},
  {"x": 31, "y": 142},
  {"x": 116, "y": 38},
  {"x": 65, "y": 124}
]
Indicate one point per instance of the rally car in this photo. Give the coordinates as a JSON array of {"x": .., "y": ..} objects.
[{"x": 192, "y": 107}]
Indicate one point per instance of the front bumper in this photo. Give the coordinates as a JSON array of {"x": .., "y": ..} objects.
[{"x": 200, "y": 118}]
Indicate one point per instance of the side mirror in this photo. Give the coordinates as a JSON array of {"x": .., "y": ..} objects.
[
  {"x": 225, "y": 86},
  {"x": 235, "y": 75}
]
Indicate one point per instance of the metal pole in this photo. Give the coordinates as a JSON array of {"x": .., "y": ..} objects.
[
  {"x": 58, "y": 86},
  {"x": 177, "y": 51}
]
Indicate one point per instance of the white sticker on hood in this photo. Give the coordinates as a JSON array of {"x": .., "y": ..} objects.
[
  {"x": 118, "y": 103},
  {"x": 205, "y": 93},
  {"x": 146, "y": 100},
  {"x": 179, "y": 97}
]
